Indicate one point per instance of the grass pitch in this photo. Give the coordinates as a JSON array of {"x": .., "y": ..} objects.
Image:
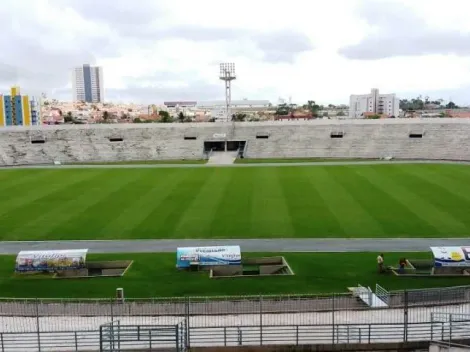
[
  {"x": 155, "y": 275},
  {"x": 421, "y": 200}
]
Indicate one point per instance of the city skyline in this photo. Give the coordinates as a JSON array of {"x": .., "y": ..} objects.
[{"x": 156, "y": 52}]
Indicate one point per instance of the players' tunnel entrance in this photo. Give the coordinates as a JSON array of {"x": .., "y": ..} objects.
[{"x": 222, "y": 146}]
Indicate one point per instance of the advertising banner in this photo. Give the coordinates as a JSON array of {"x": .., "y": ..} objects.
[
  {"x": 220, "y": 255},
  {"x": 451, "y": 256},
  {"x": 29, "y": 261}
]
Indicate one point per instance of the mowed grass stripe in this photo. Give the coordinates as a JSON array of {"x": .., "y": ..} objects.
[
  {"x": 310, "y": 216},
  {"x": 455, "y": 183},
  {"x": 327, "y": 201},
  {"x": 451, "y": 170},
  {"x": 19, "y": 210},
  {"x": 269, "y": 215},
  {"x": 23, "y": 189},
  {"x": 409, "y": 195},
  {"x": 90, "y": 217},
  {"x": 140, "y": 202},
  {"x": 44, "y": 215},
  {"x": 196, "y": 219},
  {"x": 232, "y": 217},
  {"x": 395, "y": 218},
  {"x": 15, "y": 181},
  {"x": 454, "y": 204},
  {"x": 167, "y": 211},
  {"x": 351, "y": 215}
]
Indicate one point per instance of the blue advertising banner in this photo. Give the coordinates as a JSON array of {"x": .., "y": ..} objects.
[{"x": 220, "y": 255}]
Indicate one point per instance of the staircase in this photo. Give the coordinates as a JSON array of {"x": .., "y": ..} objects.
[{"x": 222, "y": 158}]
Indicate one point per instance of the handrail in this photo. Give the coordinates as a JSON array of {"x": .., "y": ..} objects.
[{"x": 154, "y": 336}]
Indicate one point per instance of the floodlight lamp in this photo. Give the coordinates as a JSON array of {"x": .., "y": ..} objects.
[{"x": 227, "y": 70}]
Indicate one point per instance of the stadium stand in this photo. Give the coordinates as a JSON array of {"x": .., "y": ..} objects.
[{"x": 434, "y": 139}]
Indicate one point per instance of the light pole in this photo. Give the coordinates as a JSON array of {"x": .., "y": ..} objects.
[{"x": 227, "y": 74}]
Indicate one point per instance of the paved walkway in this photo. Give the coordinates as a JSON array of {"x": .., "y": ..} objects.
[
  {"x": 150, "y": 166},
  {"x": 247, "y": 245}
]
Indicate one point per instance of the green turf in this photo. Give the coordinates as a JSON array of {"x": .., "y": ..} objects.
[
  {"x": 420, "y": 200},
  {"x": 140, "y": 162},
  {"x": 155, "y": 275},
  {"x": 298, "y": 160}
]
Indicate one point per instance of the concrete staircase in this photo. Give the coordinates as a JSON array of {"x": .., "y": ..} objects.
[{"x": 222, "y": 158}]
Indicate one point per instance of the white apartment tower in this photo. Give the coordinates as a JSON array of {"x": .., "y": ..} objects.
[
  {"x": 386, "y": 104},
  {"x": 88, "y": 84}
]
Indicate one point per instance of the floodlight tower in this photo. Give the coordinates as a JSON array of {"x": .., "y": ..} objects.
[{"x": 227, "y": 74}]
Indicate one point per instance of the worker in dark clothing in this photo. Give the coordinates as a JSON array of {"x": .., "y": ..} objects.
[{"x": 402, "y": 264}]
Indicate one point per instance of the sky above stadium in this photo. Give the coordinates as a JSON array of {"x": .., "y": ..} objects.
[{"x": 156, "y": 50}]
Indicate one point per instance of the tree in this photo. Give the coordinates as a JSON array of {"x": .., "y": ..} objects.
[
  {"x": 181, "y": 117},
  {"x": 282, "y": 109},
  {"x": 414, "y": 104},
  {"x": 165, "y": 116},
  {"x": 340, "y": 113},
  {"x": 451, "y": 105},
  {"x": 68, "y": 117},
  {"x": 313, "y": 107},
  {"x": 239, "y": 117}
]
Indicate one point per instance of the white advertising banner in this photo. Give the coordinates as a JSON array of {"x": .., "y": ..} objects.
[
  {"x": 50, "y": 260},
  {"x": 451, "y": 256}
]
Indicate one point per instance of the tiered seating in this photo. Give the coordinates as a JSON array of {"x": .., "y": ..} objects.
[{"x": 445, "y": 139}]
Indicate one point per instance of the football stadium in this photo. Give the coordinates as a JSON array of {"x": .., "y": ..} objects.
[{"x": 324, "y": 235}]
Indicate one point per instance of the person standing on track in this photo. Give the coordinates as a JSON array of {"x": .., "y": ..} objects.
[{"x": 380, "y": 263}]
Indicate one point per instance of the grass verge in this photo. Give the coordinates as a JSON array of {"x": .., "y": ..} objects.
[
  {"x": 298, "y": 160},
  {"x": 155, "y": 275},
  {"x": 140, "y": 162}
]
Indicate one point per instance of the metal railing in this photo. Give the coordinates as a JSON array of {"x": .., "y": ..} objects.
[
  {"x": 32, "y": 315},
  {"x": 128, "y": 337},
  {"x": 50, "y": 341},
  {"x": 49, "y": 321},
  {"x": 325, "y": 334},
  {"x": 117, "y": 337}
]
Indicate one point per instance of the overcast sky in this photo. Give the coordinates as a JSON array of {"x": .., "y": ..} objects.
[{"x": 155, "y": 50}]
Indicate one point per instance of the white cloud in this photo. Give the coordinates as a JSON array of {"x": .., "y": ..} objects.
[{"x": 170, "y": 49}]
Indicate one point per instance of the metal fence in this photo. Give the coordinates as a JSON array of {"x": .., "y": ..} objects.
[
  {"x": 234, "y": 318},
  {"x": 413, "y": 306},
  {"x": 130, "y": 337},
  {"x": 117, "y": 337}
]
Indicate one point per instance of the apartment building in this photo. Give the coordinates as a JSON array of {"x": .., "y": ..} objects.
[
  {"x": 376, "y": 103},
  {"x": 88, "y": 84},
  {"x": 18, "y": 110}
]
